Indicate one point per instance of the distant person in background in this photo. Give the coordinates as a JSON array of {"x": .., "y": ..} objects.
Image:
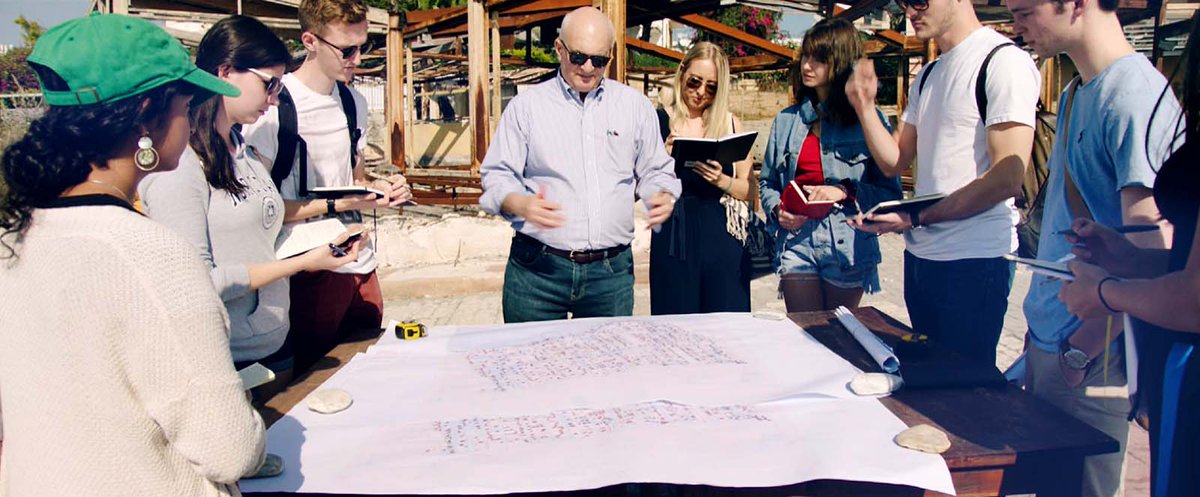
[
  {"x": 697, "y": 260},
  {"x": 568, "y": 160},
  {"x": 824, "y": 263},
  {"x": 115, "y": 373},
  {"x": 1160, "y": 288},
  {"x": 222, "y": 199}
]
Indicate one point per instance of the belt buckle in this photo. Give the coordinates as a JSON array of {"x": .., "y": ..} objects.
[{"x": 571, "y": 256}]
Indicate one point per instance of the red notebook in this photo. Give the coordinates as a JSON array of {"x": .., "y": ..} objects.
[{"x": 796, "y": 201}]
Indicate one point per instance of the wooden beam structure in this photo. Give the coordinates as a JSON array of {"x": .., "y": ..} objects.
[
  {"x": 733, "y": 34},
  {"x": 395, "y": 99},
  {"x": 615, "y": 10},
  {"x": 477, "y": 77},
  {"x": 650, "y": 48}
]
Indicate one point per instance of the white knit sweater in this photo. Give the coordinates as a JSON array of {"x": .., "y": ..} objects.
[{"x": 115, "y": 373}]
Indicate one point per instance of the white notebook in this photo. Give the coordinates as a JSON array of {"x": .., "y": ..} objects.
[{"x": 296, "y": 239}]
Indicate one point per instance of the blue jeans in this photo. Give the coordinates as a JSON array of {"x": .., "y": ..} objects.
[
  {"x": 539, "y": 286},
  {"x": 960, "y": 304}
]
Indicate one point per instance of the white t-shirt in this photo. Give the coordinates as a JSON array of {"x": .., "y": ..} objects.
[
  {"x": 322, "y": 123},
  {"x": 952, "y": 141}
]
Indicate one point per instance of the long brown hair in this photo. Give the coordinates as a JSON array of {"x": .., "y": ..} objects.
[{"x": 834, "y": 42}]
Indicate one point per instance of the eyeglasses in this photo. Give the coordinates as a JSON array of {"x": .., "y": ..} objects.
[
  {"x": 917, "y": 5},
  {"x": 579, "y": 58},
  {"x": 348, "y": 52},
  {"x": 274, "y": 84},
  {"x": 695, "y": 82}
]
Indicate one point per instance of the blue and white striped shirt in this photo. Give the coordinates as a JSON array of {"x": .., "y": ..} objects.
[{"x": 590, "y": 156}]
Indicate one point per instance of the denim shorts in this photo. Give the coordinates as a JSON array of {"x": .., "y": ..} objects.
[{"x": 811, "y": 250}]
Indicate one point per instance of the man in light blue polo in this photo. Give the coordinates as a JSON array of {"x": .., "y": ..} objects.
[
  {"x": 1100, "y": 152},
  {"x": 569, "y": 157}
]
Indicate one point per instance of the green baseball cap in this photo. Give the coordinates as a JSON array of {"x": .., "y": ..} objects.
[{"x": 108, "y": 57}]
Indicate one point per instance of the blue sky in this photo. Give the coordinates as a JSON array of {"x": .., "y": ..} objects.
[{"x": 46, "y": 12}]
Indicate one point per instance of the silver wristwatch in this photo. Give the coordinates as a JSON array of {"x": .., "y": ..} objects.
[{"x": 1074, "y": 358}]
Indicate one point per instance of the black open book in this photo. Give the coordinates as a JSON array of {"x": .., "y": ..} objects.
[
  {"x": 907, "y": 205},
  {"x": 726, "y": 150}
]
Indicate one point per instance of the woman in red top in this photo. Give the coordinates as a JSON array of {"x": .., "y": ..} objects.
[{"x": 817, "y": 148}]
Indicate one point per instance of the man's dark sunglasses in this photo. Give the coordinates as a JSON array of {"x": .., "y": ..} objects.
[
  {"x": 579, "y": 58},
  {"x": 917, "y": 5},
  {"x": 348, "y": 52}
]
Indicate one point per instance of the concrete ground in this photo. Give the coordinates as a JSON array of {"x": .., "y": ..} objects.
[{"x": 465, "y": 292}]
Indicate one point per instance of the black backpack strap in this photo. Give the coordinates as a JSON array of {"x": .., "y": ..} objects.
[
  {"x": 925, "y": 76},
  {"x": 351, "y": 111},
  {"x": 981, "y": 100},
  {"x": 289, "y": 139}
]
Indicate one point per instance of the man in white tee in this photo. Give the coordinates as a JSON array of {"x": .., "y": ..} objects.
[
  {"x": 327, "y": 305},
  {"x": 956, "y": 281}
]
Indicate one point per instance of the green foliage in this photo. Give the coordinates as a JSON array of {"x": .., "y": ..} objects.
[
  {"x": 407, "y": 5},
  {"x": 15, "y": 74},
  {"x": 641, "y": 59},
  {"x": 30, "y": 30},
  {"x": 759, "y": 22},
  {"x": 540, "y": 55}
]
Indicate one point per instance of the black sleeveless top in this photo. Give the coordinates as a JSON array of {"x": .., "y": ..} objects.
[{"x": 1177, "y": 193}]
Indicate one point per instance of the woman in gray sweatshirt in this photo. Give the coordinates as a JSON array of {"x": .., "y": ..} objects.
[{"x": 222, "y": 198}]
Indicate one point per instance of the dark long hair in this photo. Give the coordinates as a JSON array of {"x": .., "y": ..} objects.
[
  {"x": 836, "y": 43},
  {"x": 240, "y": 42},
  {"x": 59, "y": 149},
  {"x": 1187, "y": 123}
]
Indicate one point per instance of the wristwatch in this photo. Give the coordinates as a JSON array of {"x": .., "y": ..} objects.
[
  {"x": 330, "y": 207},
  {"x": 915, "y": 218},
  {"x": 1073, "y": 357}
]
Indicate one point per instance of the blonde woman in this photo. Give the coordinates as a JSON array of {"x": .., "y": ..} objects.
[{"x": 697, "y": 260}]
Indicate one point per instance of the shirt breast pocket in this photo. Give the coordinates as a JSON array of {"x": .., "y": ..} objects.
[
  {"x": 620, "y": 148},
  {"x": 850, "y": 158}
]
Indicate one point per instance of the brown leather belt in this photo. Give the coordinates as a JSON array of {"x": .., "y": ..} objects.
[{"x": 576, "y": 256}]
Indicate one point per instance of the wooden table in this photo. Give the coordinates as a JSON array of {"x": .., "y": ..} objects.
[{"x": 1003, "y": 441}]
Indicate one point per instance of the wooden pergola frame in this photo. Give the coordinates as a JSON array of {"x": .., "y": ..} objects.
[{"x": 483, "y": 22}]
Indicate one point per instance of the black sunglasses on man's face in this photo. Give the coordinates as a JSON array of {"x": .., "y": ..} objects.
[
  {"x": 917, "y": 5},
  {"x": 347, "y": 52},
  {"x": 579, "y": 58}
]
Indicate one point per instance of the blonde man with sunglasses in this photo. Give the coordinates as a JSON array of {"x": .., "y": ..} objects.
[
  {"x": 327, "y": 305},
  {"x": 568, "y": 160}
]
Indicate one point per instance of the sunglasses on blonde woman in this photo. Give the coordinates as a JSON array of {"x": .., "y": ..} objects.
[{"x": 695, "y": 82}]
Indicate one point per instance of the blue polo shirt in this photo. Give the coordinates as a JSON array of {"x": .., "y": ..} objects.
[{"x": 1106, "y": 152}]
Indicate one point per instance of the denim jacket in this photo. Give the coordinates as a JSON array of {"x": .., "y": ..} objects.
[{"x": 844, "y": 156}]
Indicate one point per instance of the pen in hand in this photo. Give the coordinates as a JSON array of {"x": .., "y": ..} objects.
[
  {"x": 1132, "y": 228},
  {"x": 337, "y": 250}
]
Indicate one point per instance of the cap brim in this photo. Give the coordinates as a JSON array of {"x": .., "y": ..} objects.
[{"x": 207, "y": 81}]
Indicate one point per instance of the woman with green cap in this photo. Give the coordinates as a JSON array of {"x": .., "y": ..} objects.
[{"x": 115, "y": 371}]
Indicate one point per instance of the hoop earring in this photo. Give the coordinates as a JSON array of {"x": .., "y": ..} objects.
[{"x": 146, "y": 158}]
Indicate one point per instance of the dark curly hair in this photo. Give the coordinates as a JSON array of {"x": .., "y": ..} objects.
[
  {"x": 240, "y": 42},
  {"x": 60, "y": 148}
]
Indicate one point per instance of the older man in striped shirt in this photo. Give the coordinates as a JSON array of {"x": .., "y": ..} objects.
[{"x": 569, "y": 157}]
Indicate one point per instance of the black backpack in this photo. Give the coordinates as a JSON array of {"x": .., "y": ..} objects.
[
  {"x": 1029, "y": 204},
  {"x": 291, "y": 144}
]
